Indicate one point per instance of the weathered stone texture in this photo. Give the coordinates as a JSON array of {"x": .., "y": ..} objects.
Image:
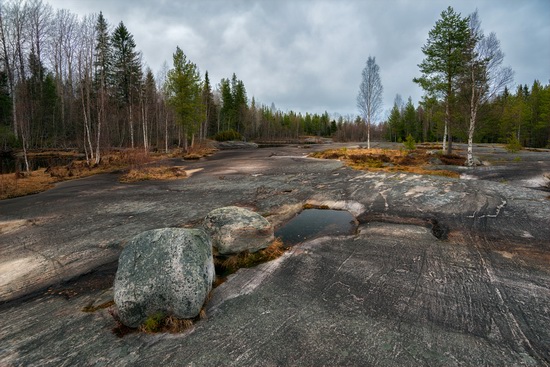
[
  {"x": 167, "y": 270},
  {"x": 235, "y": 229}
]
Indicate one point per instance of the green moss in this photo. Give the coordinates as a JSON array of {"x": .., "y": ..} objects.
[{"x": 154, "y": 323}]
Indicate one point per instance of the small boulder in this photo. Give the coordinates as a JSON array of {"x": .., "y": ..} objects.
[
  {"x": 167, "y": 270},
  {"x": 233, "y": 230}
]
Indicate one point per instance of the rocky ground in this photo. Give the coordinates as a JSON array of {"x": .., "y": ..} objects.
[{"x": 441, "y": 272}]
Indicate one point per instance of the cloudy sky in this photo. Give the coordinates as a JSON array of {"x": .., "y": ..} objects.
[{"x": 307, "y": 55}]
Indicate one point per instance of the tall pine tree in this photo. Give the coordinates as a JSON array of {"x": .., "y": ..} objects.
[{"x": 445, "y": 62}]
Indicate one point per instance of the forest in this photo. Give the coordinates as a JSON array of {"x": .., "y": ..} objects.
[{"x": 70, "y": 82}]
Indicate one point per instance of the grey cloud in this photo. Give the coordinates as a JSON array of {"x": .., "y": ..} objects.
[{"x": 307, "y": 55}]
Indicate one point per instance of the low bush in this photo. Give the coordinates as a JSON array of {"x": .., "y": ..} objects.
[
  {"x": 410, "y": 143},
  {"x": 513, "y": 145},
  {"x": 228, "y": 135}
]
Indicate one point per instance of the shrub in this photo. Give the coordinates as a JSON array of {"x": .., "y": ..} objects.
[
  {"x": 410, "y": 143},
  {"x": 228, "y": 135},
  {"x": 513, "y": 145}
]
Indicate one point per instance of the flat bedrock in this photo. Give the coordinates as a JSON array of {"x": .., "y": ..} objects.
[{"x": 392, "y": 294}]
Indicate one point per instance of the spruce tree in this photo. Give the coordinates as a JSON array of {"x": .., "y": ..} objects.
[
  {"x": 102, "y": 64},
  {"x": 127, "y": 73}
]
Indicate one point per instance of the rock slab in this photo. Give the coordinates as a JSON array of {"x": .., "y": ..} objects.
[
  {"x": 234, "y": 229},
  {"x": 167, "y": 270}
]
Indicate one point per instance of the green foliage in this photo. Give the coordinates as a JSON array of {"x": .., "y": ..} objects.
[
  {"x": 126, "y": 65},
  {"x": 228, "y": 135},
  {"x": 513, "y": 145},
  {"x": 410, "y": 143},
  {"x": 444, "y": 51},
  {"x": 7, "y": 138},
  {"x": 185, "y": 93},
  {"x": 234, "y": 104},
  {"x": 153, "y": 323}
]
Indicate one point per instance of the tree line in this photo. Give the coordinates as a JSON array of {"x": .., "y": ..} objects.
[
  {"x": 522, "y": 114},
  {"x": 466, "y": 93},
  {"x": 78, "y": 82}
]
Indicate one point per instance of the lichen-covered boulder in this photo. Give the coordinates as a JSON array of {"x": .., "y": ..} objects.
[
  {"x": 233, "y": 230},
  {"x": 167, "y": 270}
]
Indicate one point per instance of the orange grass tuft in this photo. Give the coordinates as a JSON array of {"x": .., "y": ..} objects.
[{"x": 388, "y": 160}]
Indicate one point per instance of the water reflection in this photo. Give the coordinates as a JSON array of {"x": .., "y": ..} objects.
[{"x": 313, "y": 223}]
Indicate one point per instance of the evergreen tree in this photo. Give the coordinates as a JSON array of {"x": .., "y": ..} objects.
[
  {"x": 102, "y": 65},
  {"x": 445, "y": 61},
  {"x": 185, "y": 97},
  {"x": 126, "y": 72},
  {"x": 227, "y": 113},
  {"x": 410, "y": 121},
  {"x": 211, "y": 119}
]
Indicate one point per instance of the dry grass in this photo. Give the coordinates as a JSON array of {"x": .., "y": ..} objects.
[
  {"x": 153, "y": 173},
  {"x": 136, "y": 161},
  {"x": 157, "y": 323},
  {"x": 229, "y": 265},
  {"x": 199, "y": 151},
  {"x": 13, "y": 185},
  {"x": 387, "y": 160}
]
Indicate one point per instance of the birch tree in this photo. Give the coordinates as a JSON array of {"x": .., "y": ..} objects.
[
  {"x": 485, "y": 77},
  {"x": 369, "y": 99}
]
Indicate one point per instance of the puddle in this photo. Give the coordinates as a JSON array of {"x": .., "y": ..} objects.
[{"x": 312, "y": 223}]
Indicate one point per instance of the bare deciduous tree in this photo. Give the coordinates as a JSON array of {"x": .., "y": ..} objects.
[
  {"x": 485, "y": 77},
  {"x": 369, "y": 99}
]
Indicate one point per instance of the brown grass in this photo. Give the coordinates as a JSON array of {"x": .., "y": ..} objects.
[
  {"x": 387, "y": 160},
  {"x": 14, "y": 185},
  {"x": 136, "y": 161},
  {"x": 153, "y": 173},
  {"x": 229, "y": 265},
  {"x": 198, "y": 152}
]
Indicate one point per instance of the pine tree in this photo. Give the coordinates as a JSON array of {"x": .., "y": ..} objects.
[
  {"x": 185, "y": 97},
  {"x": 445, "y": 61}
]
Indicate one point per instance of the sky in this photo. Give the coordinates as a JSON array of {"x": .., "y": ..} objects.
[{"x": 307, "y": 55}]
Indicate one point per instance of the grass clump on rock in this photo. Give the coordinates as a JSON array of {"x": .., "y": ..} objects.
[
  {"x": 226, "y": 265},
  {"x": 388, "y": 160}
]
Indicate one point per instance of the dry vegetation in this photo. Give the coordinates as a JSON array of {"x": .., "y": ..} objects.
[
  {"x": 137, "y": 164},
  {"x": 387, "y": 160},
  {"x": 228, "y": 265}
]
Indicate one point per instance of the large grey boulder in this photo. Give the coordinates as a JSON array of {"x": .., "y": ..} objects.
[
  {"x": 167, "y": 270},
  {"x": 233, "y": 230}
]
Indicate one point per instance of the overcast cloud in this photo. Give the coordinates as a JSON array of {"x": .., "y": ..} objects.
[{"x": 307, "y": 55}]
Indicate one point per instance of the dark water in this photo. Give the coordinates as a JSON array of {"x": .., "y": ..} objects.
[
  {"x": 313, "y": 223},
  {"x": 10, "y": 163}
]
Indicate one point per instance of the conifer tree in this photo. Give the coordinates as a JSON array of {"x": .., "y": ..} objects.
[
  {"x": 445, "y": 61},
  {"x": 185, "y": 97},
  {"x": 102, "y": 64},
  {"x": 127, "y": 73}
]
